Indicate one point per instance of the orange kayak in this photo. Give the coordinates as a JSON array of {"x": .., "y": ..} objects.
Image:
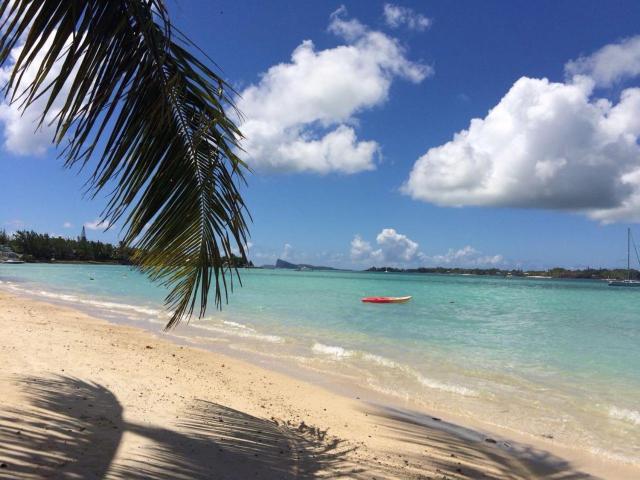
[{"x": 386, "y": 299}]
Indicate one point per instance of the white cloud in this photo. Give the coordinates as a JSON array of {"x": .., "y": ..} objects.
[
  {"x": 393, "y": 248},
  {"x": 466, "y": 257},
  {"x": 610, "y": 64},
  {"x": 247, "y": 248},
  {"x": 396, "y": 16},
  {"x": 67, "y": 225},
  {"x": 300, "y": 117},
  {"x": 98, "y": 224},
  {"x": 286, "y": 252},
  {"x": 21, "y": 133},
  {"x": 360, "y": 249},
  {"x": 548, "y": 145}
]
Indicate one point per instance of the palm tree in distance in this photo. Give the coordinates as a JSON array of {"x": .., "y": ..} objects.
[{"x": 149, "y": 117}]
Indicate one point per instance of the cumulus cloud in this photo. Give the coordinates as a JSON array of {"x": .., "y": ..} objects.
[
  {"x": 396, "y": 246},
  {"x": 611, "y": 64},
  {"x": 98, "y": 224},
  {"x": 301, "y": 116},
  {"x": 361, "y": 250},
  {"x": 545, "y": 145},
  {"x": 67, "y": 225},
  {"x": 22, "y": 136},
  {"x": 396, "y": 16},
  {"x": 392, "y": 248},
  {"x": 465, "y": 257}
]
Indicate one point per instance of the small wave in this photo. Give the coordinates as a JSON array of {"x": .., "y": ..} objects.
[
  {"x": 446, "y": 387},
  {"x": 382, "y": 361},
  {"x": 85, "y": 301},
  {"x": 424, "y": 381},
  {"x": 392, "y": 392},
  {"x": 340, "y": 353},
  {"x": 238, "y": 325},
  {"x": 238, "y": 330},
  {"x": 632, "y": 416},
  {"x": 331, "y": 350},
  {"x": 100, "y": 304}
]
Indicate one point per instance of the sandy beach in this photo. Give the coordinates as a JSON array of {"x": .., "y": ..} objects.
[{"x": 84, "y": 398}]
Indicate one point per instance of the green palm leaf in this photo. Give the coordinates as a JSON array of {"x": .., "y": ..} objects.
[{"x": 151, "y": 116}]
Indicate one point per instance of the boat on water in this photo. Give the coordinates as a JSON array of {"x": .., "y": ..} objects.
[
  {"x": 628, "y": 282},
  {"x": 12, "y": 261},
  {"x": 386, "y": 299}
]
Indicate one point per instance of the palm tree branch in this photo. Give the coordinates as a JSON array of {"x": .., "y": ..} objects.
[{"x": 153, "y": 117}]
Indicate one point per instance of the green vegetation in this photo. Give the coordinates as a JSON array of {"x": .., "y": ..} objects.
[
  {"x": 557, "y": 272},
  {"x": 149, "y": 118},
  {"x": 42, "y": 247}
]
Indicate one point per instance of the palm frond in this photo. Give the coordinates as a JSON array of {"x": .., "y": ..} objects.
[{"x": 151, "y": 116}]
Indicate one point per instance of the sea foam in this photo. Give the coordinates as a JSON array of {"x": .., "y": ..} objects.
[
  {"x": 341, "y": 353},
  {"x": 237, "y": 329},
  {"x": 65, "y": 297},
  {"x": 331, "y": 350},
  {"x": 632, "y": 416}
]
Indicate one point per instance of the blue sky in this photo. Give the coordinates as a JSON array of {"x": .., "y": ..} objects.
[{"x": 342, "y": 100}]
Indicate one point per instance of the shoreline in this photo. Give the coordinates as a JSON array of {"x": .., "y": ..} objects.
[
  {"x": 432, "y": 271},
  {"x": 371, "y": 434}
]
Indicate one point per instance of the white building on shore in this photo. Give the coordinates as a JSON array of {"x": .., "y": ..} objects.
[{"x": 9, "y": 256}]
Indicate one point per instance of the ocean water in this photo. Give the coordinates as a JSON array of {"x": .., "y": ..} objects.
[{"x": 552, "y": 358}]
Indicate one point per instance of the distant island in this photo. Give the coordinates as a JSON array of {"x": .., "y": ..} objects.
[
  {"x": 283, "y": 264},
  {"x": 557, "y": 272}
]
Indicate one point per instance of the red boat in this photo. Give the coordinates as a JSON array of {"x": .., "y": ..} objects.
[{"x": 386, "y": 299}]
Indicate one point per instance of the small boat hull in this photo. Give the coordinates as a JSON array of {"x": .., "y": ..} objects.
[
  {"x": 386, "y": 299},
  {"x": 624, "y": 283}
]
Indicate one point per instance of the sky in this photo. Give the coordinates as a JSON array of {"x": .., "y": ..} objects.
[{"x": 413, "y": 133}]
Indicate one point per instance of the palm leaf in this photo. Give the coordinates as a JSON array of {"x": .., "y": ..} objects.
[{"x": 150, "y": 115}]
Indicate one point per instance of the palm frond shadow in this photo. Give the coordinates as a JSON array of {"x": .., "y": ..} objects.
[
  {"x": 68, "y": 426},
  {"x": 458, "y": 452},
  {"x": 71, "y": 428},
  {"x": 218, "y": 440}
]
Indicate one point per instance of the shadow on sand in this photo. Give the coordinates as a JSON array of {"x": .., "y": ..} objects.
[
  {"x": 70, "y": 428},
  {"x": 458, "y": 452}
]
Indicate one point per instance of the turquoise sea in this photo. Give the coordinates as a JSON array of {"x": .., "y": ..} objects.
[{"x": 553, "y": 358}]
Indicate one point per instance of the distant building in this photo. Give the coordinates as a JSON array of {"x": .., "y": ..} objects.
[{"x": 7, "y": 254}]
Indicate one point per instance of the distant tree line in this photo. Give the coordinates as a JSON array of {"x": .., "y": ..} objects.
[
  {"x": 42, "y": 247},
  {"x": 588, "y": 273},
  {"x": 598, "y": 273}
]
